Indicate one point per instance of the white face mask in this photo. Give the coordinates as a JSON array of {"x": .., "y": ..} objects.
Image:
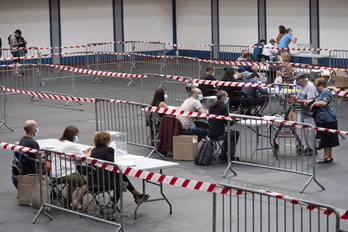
[
  {"x": 37, "y": 132},
  {"x": 213, "y": 74},
  {"x": 226, "y": 101},
  {"x": 200, "y": 97},
  {"x": 165, "y": 97},
  {"x": 76, "y": 138}
]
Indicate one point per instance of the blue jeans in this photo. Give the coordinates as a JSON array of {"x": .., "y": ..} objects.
[{"x": 193, "y": 130}]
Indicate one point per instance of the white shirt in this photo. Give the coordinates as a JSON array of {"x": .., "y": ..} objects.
[
  {"x": 63, "y": 165},
  {"x": 269, "y": 51}
]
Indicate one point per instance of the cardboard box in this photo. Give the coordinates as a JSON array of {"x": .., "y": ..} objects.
[
  {"x": 25, "y": 188},
  {"x": 185, "y": 147},
  {"x": 341, "y": 81}
]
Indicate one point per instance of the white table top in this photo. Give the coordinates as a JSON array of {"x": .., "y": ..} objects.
[
  {"x": 138, "y": 162},
  {"x": 310, "y": 55}
]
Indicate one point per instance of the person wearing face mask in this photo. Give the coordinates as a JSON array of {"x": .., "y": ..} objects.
[
  {"x": 254, "y": 100},
  {"x": 218, "y": 126},
  {"x": 31, "y": 129},
  {"x": 208, "y": 90},
  {"x": 63, "y": 168},
  {"x": 159, "y": 98},
  {"x": 193, "y": 104},
  {"x": 248, "y": 68},
  {"x": 325, "y": 116},
  {"x": 307, "y": 91},
  {"x": 12, "y": 39},
  {"x": 286, "y": 40}
]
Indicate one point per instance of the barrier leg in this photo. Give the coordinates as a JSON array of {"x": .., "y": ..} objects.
[
  {"x": 41, "y": 211},
  {"x": 229, "y": 169},
  {"x": 313, "y": 177}
]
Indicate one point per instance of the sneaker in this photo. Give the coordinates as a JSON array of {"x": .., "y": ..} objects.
[{"x": 233, "y": 158}]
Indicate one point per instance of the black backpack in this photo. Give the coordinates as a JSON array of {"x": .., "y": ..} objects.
[{"x": 206, "y": 154}]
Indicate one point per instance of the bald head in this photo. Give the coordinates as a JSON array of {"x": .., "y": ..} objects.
[{"x": 30, "y": 127}]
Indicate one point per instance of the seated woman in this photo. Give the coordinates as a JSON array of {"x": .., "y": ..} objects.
[
  {"x": 102, "y": 151},
  {"x": 159, "y": 99},
  {"x": 231, "y": 76},
  {"x": 63, "y": 168}
]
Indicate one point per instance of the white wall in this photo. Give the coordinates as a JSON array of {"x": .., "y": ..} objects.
[
  {"x": 149, "y": 20},
  {"x": 333, "y": 23},
  {"x": 294, "y": 14},
  {"x": 91, "y": 21},
  {"x": 193, "y": 22},
  {"x": 238, "y": 22},
  {"x": 87, "y": 21},
  {"x": 31, "y": 17}
]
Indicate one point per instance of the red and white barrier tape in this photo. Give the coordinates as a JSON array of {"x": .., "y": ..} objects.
[
  {"x": 205, "y": 115},
  {"x": 296, "y": 49},
  {"x": 176, "y": 181}
]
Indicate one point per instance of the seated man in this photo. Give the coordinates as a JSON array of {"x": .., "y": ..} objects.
[
  {"x": 258, "y": 50},
  {"x": 218, "y": 126},
  {"x": 31, "y": 129},
  {"x": 207, "y": 90},
  {"x": 248, "y": 68},
  {"x": 193, "y": 104},
  {"x": 241, "y": 55},
  {"x": 253, "y": 100}
]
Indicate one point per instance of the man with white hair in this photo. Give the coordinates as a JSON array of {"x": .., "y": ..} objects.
[{"x": 307, "y": 91}]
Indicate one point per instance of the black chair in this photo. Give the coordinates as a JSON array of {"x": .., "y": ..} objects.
[
  {"x": 245, "y": 105},
  {"x": 204, "y": 124}
]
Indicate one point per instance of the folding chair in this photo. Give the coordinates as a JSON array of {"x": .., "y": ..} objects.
[
  {"x": 203, "y": 124},
  {"x": 244, "y": 100}
]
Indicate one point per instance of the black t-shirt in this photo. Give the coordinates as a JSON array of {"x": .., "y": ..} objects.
[
  {"x": 29, "y": 165},
  {"x": 206, "y": 89}
]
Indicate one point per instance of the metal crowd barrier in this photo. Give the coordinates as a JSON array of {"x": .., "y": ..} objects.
[
  {"x": 245, "y": 209},
  {"x": 177, "y": 91},
  {"x": 27, "y": 52},
  {"x": 179, "y": 66},
  {"x": 338, "y": 59},
  {"x": 123, "y": 117},
  {"x": 3, "y": 114},
  {"x": 102, "y": 190},
  {"x": 55, "y": 81},
  {"x": 226, "y": 53},
  {"x": 149, "y": 48},
  {"x": 22, "y": 77},
  {"x": 275, "y": 145}
]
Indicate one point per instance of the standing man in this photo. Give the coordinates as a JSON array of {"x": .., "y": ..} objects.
[
  {"x": 258, "y": 49},
  {"x": 269, "y": 50},
  {"x": 218, "y": 126},
  {"x": 285, "y": 41},
  {"x": 12, "y": 39},
  {"x": 31, "y": 129},
  {"x": 193, "y": 104},
  {"x": 207, "y": 90},
  {"x": 307, "y": 91}
]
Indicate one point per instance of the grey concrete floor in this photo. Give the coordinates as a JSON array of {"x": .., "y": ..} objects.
[{"x": 188, "y": 205}]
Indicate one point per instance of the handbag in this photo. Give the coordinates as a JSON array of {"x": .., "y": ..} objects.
[
  {"x": 307, "y": 109},
  {"x": 46, "y": 192}
]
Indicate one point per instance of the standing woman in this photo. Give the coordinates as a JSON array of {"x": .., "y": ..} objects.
[
  {"x": 282, "y": 30},
  {"x": 286, "y": 70},
  {"x": 325, "y": 116}
]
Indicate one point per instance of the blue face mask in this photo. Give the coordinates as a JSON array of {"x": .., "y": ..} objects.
[
  {"x": 226, "y": 101},
  {"x": 165, "y": 97},
  {"x": 17, "y": 36},
  {"x": 76, "y": 138},
  {"x": 298, "y": 83},
  {"x": 318, "y": 90}
]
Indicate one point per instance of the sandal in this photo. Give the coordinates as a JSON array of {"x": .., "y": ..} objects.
[
  {"x": 140, "y": 198},
  {"x": 325, "y": 160}
]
